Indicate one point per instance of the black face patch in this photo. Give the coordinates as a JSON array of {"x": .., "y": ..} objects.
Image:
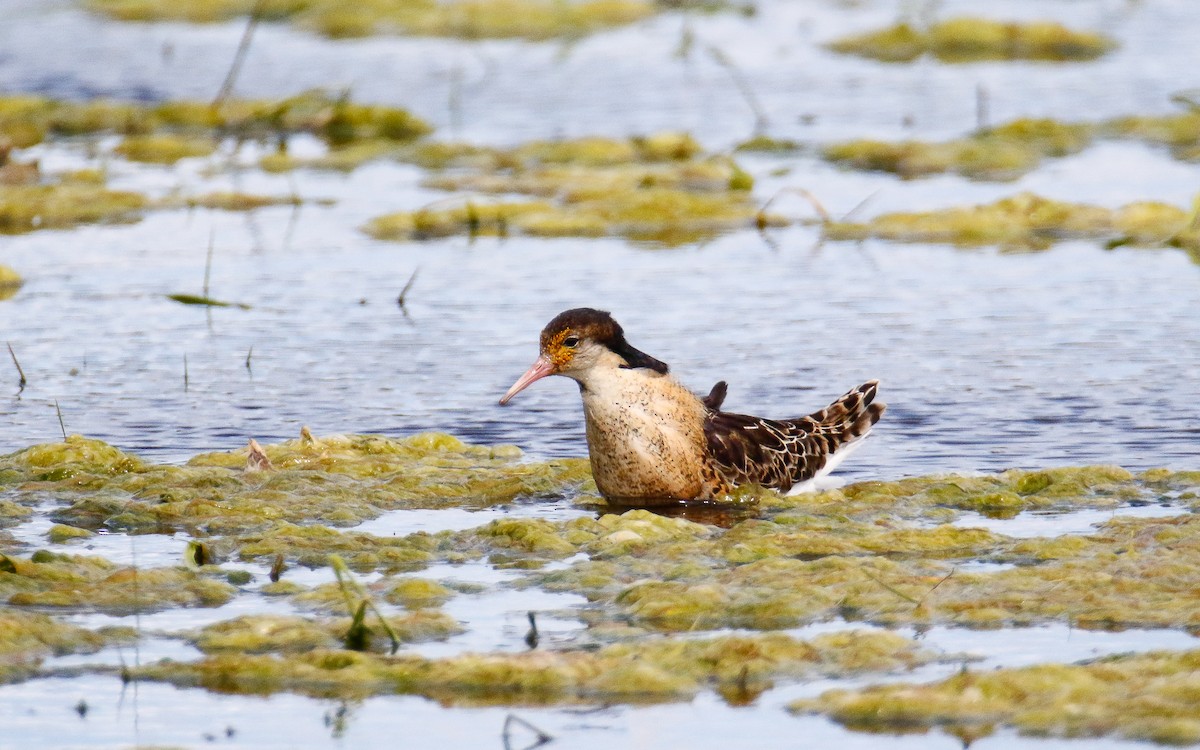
[{"x": 599, "y": 326}]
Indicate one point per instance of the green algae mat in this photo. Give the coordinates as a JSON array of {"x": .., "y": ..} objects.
[
  {"x": 464, "y": 19},
  {"x": 671, "y": 606},
  {"x": 969, "y": 39}
]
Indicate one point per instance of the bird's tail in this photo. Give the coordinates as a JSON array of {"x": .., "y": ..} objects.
[
  {"x": 851, "y": 417},
  {"x": 843, "y": 425}
]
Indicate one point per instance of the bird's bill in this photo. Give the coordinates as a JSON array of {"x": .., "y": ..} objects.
[{"x": 536, "y": 371}]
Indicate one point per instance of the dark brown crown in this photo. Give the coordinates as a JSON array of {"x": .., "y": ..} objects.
[{"x": 600, "y": 327}]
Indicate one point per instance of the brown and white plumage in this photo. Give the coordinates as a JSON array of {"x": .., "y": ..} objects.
[{"x": 652, "y": 441}]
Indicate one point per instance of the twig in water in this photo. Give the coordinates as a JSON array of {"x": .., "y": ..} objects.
[
  {"x": 61, "y": 426},
  {"x": 240, "y": 56},
  {"x": 860, "y": 204},
  {"x": 739, "y": 80},
  {"x": 208, "y": 265},
  {"x": 761, "y": 218},
  {"x": 20, "y": 372},
  {"x": 277, "y": 568},
  {"x": 249, "y": 354},
  {"x": 505, "y": 734},
  {"x": 981, "y": 107},
  {"x": 895, "y": 591},
  {"x": 185, "y": 374},
  {"x": 454, "y": 98},
  {"x": 939, "y": 583},
  {"x": 532, "y": 637},
  {"x": 408, "y": 285}
]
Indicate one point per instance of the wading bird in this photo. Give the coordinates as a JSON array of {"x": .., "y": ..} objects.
[{"x": 653, "y": 442}]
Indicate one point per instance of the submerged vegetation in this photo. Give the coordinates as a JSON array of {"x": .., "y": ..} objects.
[
  {"x": 965, "y": 40},
  {"x": 1030, "y": 222},
  {"x": 469, "y": 19},
  {"x": 660, "y": 188},
  {"x": 884, "y": 553}
]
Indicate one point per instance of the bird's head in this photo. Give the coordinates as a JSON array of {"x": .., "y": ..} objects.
[{"x": 576, "y": 342}]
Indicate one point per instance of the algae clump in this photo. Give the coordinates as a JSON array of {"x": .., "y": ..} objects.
[
  {"x": 163, "y": 149},
  {"x": 643, "y": 672},
  {"x": 469, "y": 19},
  {"x": 660, "y": 188},
  {"x": 1001, "y": 153},
  {"x": 10, "y": 282},
  {"x": 964, "y": 40},
  {"x": 1138, "y": 697},
  {"x": 48, "y": 580},
  {"x": 63, "y": 204},
  {"x": 1030, "y": 222},
  {"x": 167, "y": 131},
  {"x": 26, "y": 638}
]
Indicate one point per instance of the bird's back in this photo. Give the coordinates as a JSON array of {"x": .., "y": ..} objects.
[{"x": 783, "y": 453}]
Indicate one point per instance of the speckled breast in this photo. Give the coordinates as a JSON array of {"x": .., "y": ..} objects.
[{"x": 646, "y": 441}]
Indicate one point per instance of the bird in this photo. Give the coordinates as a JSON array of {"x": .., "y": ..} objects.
[{"x": 651, "y": 441}]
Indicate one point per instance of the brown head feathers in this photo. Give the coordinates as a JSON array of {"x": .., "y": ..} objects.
[{"x": 599, "y": 326}]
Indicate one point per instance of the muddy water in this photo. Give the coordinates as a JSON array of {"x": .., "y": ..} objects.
[{"x": 988, "y": 360}]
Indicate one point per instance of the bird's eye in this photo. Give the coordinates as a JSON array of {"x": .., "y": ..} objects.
[{"x": 571, "y": 342}]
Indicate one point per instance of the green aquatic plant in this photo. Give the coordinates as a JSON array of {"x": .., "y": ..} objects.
[
  {"x": 659, "y": 188},
  {"x": 468, "y": 19},
  {"x": 644, "y": 672},
  {"x": 163, "y": 149},
  {"x": 10, "y": 282},
  {"x": 1030, "y": 222},
  {"x": 1001, "y": 153},
  {"x": 965, "y": 40},
  {"x": 315, "y": 483},
  {"x": 1137, "y": 697},
  {"x": 26, "y": 638},
  {"x": 168, "y": 131},
  {"x": 65, "y": 203},
  {"x": 48, "y": 580},
  {"x": 894, "y": 554}
]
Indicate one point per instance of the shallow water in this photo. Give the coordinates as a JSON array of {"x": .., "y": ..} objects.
[{"x": 988, "y": 360}]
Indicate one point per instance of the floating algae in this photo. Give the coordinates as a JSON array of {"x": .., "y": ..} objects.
[
  {"x": 163, "y": 149},
  {"x": 1179, "y": 132},
  {"x": 889, "y": 553},
  {"x": 1148, "y": 696},
  {"x": 335, "y": 480},
  {"x": 864, "y": 553},
  {"x": 642, "y": 672},
  {"x": 1008, "y": 151},
  {"x": 1001, "y": 153},
  {"x": 279, "y": 634},
  {"x": 660, "y": 188},
  {"x": 1030, "y": 222},
  {"x": 26, "y": 638},
  {"x": 50, "y": 580},
  {"x": 10, "y": 281},
  {"x": 64, "y": 203},
  {"x": 470, "y": 19},
  {"x": 170, "y": 130},
  {"x": 964, "y": 40}
]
